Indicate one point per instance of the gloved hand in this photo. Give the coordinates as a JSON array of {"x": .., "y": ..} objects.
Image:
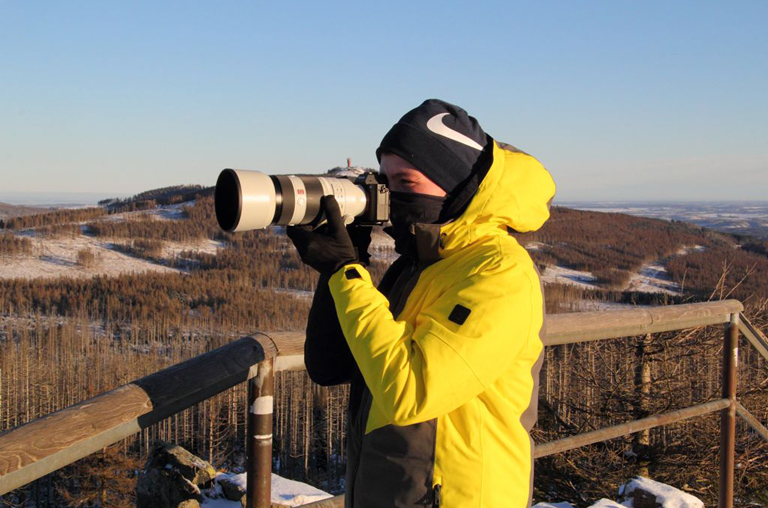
[
  {"x": 361, "y": 239},
  {"x": 328, "y": 247}
]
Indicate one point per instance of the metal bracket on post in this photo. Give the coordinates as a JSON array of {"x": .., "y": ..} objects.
[
  {"x": 728, "y": 415},
  {"x": 261, "y": 391}
]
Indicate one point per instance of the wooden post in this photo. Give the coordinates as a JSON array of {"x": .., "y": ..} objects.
[
  {"x": 728, "y": 415},
  {"x": 261, "y": 391},
  {"x": 642, "y": 440}
]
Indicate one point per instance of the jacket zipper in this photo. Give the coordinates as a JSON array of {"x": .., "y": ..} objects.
[{"x": 437, "y": 496}]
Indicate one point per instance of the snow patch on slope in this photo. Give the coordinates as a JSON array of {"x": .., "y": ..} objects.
[
  {"x": 562, "y": 275},
  {"x": 57, "y": 257},
  {"x": 653, "y": 277},
  {"x": 650, "y": 278}
]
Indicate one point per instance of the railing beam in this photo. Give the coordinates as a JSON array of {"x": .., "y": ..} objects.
[
  {"x": 752, "y": 421},
  {"x": 753, "y": 335},
  {"x": 588, "y": 326},
  {"x": 49, "y": 443},
  {"x": 623, "y": 429}
]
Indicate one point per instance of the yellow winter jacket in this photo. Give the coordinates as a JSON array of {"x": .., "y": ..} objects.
[{"x": 465, "y": 351}]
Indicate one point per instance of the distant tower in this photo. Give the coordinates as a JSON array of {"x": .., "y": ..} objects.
[{"x": 349, "y": 162}]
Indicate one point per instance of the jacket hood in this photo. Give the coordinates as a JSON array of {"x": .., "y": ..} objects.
[{"x": 515, "y": 194}]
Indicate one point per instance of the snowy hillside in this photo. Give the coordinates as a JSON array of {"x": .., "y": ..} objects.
[{"x": 58, "y": 256}]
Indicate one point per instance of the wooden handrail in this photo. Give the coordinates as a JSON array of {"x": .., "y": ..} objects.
[
  {"x": 589, "y": 326},
  {"x": 44, "y": 445},
  {"x": 623, "y": 429}
]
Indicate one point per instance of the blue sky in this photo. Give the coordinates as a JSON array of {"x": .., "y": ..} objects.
[{"x": 620, "y": 100}]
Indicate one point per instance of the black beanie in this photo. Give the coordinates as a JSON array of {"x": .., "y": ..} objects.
[{"x": 440, "y": 140}]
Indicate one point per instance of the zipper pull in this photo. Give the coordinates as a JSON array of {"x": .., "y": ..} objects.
[{"x": 437, "y": 489}]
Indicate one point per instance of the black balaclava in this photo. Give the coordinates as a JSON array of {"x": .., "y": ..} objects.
[
  {"x": 446, "y": 144},
  {"x": 408, "y": 208}
]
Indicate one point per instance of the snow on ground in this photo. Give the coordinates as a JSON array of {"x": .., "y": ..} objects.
[
  {"x": 162, "y": 212},
  {"x": 666, "y": 497},
  {"x": 170, "y": 212},
  {"x": 284, "y": 492},
  {"x": 534, "y": 245},
  {"x": 725, "y": 216},
  {"x": 653, "y": 277},
  {"x": 57, "y": 257},
  {"x": 297, "y": 293},
  {"x": 292, "y": 493},
  {"x": 682, "y": 251},
  {"x": 607, "y": 503},
  {"x": 603, "y": 503},
  {"x": 562, "y": 275},
  {"x": 206, "y": 246},
  {"x": 382, "y": 247}
]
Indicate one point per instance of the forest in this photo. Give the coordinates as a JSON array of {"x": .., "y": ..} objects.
[
  {"x": 613, "y": 246},
  {"x": 67, "y": 339}
]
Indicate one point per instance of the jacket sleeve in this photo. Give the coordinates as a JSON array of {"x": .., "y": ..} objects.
[
  {"x": 326, "y": 353},
  {"x": 432, "y": 363}
]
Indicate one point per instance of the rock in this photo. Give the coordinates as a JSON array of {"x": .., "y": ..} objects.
[
  {"x": 645, "y": 493},
  {"x": 193, "y": 468},
  {"x": 232, "y": 487},
  {"x": 641, "y": 498},
  {"x": 172, "y": 478}
]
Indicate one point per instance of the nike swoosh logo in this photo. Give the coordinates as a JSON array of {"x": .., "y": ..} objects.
[{"x": 436, "y": 125}]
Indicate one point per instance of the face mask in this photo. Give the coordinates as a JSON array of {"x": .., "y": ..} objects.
[{"x": 407, "y": 208}]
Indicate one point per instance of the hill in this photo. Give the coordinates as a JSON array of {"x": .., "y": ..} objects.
[
  {"x": 157, "y": 197},
  {"x": 748, "y": 218},
  {"x": 614, "y": 251},
  {"x": 602, "y": 256},
  {"x": 8, "y": 210}
]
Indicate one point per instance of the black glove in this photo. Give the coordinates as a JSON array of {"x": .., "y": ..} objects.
[
  {"x": 328, "y": 247},
  {"x": 361, "y": 239}
]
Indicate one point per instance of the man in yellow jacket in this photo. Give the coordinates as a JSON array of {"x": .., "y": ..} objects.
[{"x": 444, "y": 356}]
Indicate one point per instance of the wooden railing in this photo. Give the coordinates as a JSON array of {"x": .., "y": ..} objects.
[{"x": 44, "y": 445}]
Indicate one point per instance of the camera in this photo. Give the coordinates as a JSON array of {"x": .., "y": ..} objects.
[{"x": 246, "y": 200}]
